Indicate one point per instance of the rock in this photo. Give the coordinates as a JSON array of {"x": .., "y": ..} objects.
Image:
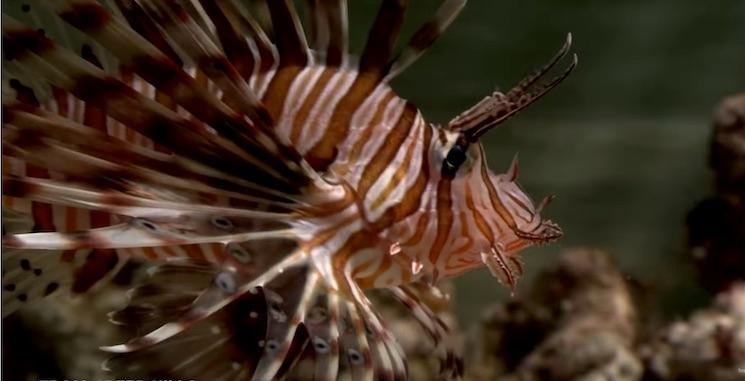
[
  {"x": 716, "y": 226},
  {"x": 578, "y": 324},
  {"x": 708, "y": 346},
  {"x": 727, "y": 155}
]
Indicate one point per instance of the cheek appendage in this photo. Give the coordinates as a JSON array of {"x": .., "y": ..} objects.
[
  {"x": 503, "y": 266},
  {"x": 547, "y": 232}
]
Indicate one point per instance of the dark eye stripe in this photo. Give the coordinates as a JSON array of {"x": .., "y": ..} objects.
[
  {"x": 455, "y": 157},
  {"x": 495, "y": 201}
]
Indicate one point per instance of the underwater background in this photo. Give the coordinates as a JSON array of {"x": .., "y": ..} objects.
[{"x": 623, "y": 142}]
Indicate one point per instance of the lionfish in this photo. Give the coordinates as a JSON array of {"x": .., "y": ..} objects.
[{"x": 271, "y": 177}]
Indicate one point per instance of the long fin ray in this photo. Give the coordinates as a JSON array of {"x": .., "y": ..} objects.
[
  {"x": 382, "y": 38},
  {"x": 148, "y": 117},
  {"x": 62, "y": 193},
  {"x": 329, "y": 24},
  {"x": 35, "y": 123},
  {"x": 154, "y": 66},
  {"x": 425, "y": 36},
  {"x": 290, "y": 38}
]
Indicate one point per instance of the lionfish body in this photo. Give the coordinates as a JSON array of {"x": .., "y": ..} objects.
[{"x": 273, "y": 181}]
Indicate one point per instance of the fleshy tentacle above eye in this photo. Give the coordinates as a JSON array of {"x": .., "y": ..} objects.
[{"x": 499, "y": 107}]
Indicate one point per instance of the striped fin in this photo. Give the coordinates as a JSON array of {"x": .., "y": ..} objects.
[
  {"x": 155, "y": 67},
  {"x": 329, "y": 30},
  {"x": 112, "y": 156},
  {"x": 228, "y": 28},
  {"x": 451, "y": 365},
  {"x": 31, "y": 275},
  {"x": 149, "y": 117},
  {"x": 145, "y": 59},
  {"x": 221, "y": 347},
  {"x": 84, "y": 156},
  {"x": 94, "y": 86},
  {"x": 140, "y": 22},
  {"x": 321, "y": 322},
  {"x": 388, "y": 357},
  {"x": 382, "y": 38},
  {"x": 254, "y": 325},
  {"x": 118, "y": 203},
  {"x": 498, "y": 107},
  {"x": 425, "y": 36},
  {"x": 289, "y": 34},
  {"x": 105, "y": 173},
  {"x": 191, "y": 39},
  {"x": 250, "y": 27},
  {"x": 358, "y": 350}
]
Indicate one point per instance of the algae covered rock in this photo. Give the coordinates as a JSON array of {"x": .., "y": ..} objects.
[
  {"x": 578, "y": 324},
  {"x": 710, "y": 345}
]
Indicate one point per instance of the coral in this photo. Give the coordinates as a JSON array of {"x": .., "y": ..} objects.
[
  {"x": 708, "y": 346},
  {"x": 716, "y": 226},
  {"x": 584, "y": 313},
  {"x": 508, "y": 332},
  {"x": 727, "y": 155}
]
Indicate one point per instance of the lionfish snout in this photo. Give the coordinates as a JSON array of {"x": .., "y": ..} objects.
[
  {"x": 550, "y": 231},
  {"x": 546, "y": 232}
]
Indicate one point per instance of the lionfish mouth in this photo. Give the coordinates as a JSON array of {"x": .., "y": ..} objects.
[
  {"x": 547, "y": 232},
  {"x": 506, "y": 266}
]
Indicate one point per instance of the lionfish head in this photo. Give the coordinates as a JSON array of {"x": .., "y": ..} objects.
[
  {"x": 520, "y": 213},
  {"x": 517, "y": 219},
  {"x": 510, "y": 204}
]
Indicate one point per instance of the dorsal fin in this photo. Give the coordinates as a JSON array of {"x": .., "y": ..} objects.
[
  {"x": 382, "y": 38},
  {"x": 195, "y": 42},
  {"x": 288, "y": 33},
  {"x": 425, "y": 36},
  {"x": 232, "y": 41},
  {"x": 329, "y": 24},
  {"x": 142, "y": 24}
]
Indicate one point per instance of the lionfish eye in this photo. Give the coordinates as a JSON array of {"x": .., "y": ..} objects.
[{"x": 453, "y": 160}]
